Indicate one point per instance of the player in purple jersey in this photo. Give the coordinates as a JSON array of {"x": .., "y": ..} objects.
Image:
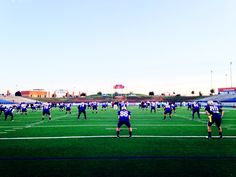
[
  {"x": 24, "y": 109},
  {"x": 68, "y": 108},
  {"x": 104, "y": 106},
  {"x": 144, "y": 105},
  {"x": 153, "y": 107},
  {"x": 173, "y": 107},
  {"x": 18, "y": 108},
  {"x": 82, "y": 109},
  {"x": 2, "y": 108},
  {"x": 95, "y": 107},
  {"x": 61, "y": 106},
  {"x": 195, "y": 109},
  {"x": 121, "y": 105},
  {"x": 189, "y": 105},
  {"x": 124, "y": 117},
  {"x": 167, "y": 110},
  {"x": 215, "y": 114},
  {"x": 46, "y": 111},
  {"x": 9, "y": 112},
  {"x": 33, "y": 107}
]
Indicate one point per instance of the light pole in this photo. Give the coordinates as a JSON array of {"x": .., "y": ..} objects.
[
  {"x": 226, "y": 80},
  {"x": 211, "y": 80},
  {"x": 231, "y": 82}
]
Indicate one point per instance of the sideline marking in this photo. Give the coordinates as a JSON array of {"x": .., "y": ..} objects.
[{"x": 110, "y": 136}]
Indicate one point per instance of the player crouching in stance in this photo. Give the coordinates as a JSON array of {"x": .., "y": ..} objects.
[
  {"x": 46, "y": 110},
  {"x": 195, "y": 109},
  {"x": 82, "y": 109},
  {"x": 9, "y": 112},
  {"x": 68, "y": 108},
  {"x": 215, "y": 114},
  {"x": 124, "y": 118},
  {"x": 153, "y": 107},
  {"x": 167, "y": 110}
]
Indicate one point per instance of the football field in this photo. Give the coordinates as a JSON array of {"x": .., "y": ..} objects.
[{"x": 67, "y": 146}]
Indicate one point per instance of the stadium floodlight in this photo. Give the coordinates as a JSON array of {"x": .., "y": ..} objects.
[
  {"x": 226, "y": 80},
  {"x": 211, "y": 80},
  {"x": 231, "y": 82}
]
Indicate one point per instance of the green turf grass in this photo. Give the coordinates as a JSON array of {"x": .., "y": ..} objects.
[{"x": 116, "y": 157}]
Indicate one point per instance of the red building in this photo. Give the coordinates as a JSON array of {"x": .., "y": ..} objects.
[{"x": 36, "y": 93}]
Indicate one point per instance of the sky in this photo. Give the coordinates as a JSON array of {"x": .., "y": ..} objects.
[{"x": 91, "y": 45}]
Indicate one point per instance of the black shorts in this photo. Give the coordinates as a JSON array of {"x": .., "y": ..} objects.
[
  {"x": 215, "y": 119},
  {"x": 126, "y": 122}
]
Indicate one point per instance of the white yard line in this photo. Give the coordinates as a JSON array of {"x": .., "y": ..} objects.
[
  {"x": 103, "y": 125},
  {"x": 112, "y": 136},
  {"x": 11, "y": 130}
]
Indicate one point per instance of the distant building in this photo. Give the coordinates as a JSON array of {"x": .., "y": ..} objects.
[
  {"x": 61, "y": 93},
  {"x": 227, "y": 90},
  {"x": 35, "y": 93}
]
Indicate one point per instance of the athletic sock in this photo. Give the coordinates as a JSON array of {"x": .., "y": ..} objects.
[
  {"x": 118, "y": 133},
  {"x": 220, "y": 133},
  {"x": 130, "y": 133},
  {"x": 209, "y": 134}
]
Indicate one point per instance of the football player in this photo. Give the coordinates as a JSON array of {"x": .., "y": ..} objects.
[
  {"x": 173, "y": 107},
  {"x": 104, "y": 106},
  {"x": 24, "y": 109},
  {"x": 195, "y": 109},
  {"x": 95, "y": 107},
  {"x": 153, "y": 107},
  {"x": 82, "y": 109},
  {"x": 124, "y": 117},
  {"x": 215, "y": 114},
  {"x": 46, "y": 111},
  {"x": 68, "y": 108},
  {"x": 33, "y": 107},
  {"x": 189, "y": 105},
  {"x": 2, "y": 108},
  {"x": 9, "y": 112},
  {"x": 167, "y": 110}
]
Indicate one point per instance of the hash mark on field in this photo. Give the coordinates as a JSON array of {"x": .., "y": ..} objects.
[
  {"x": 9, "y": 130},
  {"x": 121, "y": 128}
]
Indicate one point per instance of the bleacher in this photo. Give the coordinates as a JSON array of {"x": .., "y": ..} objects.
[
  {"x": 220, "y": 98},
  {"x": 6, "y": 102},
  {"x": 14, "y": 100}
]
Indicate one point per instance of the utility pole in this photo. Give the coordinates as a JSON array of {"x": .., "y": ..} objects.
[
  {"x": 211, "y": 80},
  {"x": 231, "y": 81}
]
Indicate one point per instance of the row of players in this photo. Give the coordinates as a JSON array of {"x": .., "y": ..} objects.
[
  {"x": 214, "y": 112},
  {"x": 168, "y": 108}
]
